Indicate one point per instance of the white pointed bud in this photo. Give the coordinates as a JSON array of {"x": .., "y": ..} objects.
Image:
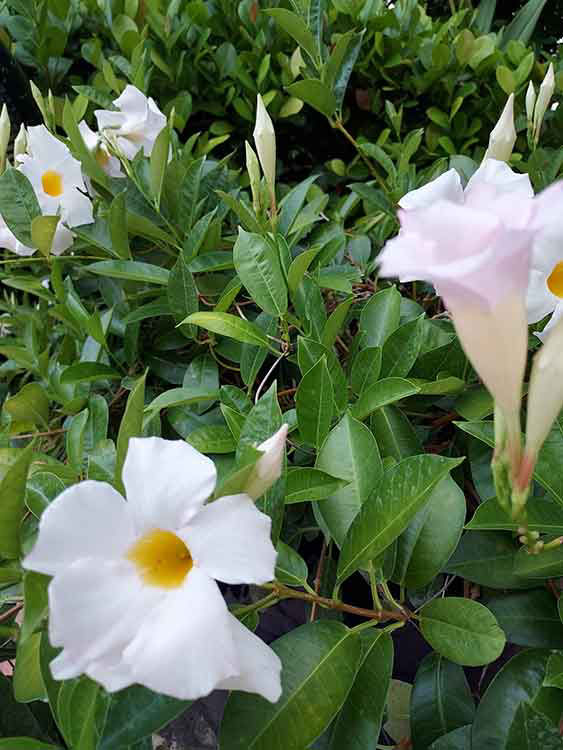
[
  {"x": 545, "y": 395},
  {"x": 503, "y": 135},
  {"x": 4, "y": 136},
  {"x": 269, "y": 466},
  {"x": 265, "y": 140},
  {"x": 530, "y": 102},
  {"x": 20, "y": 143},
  {"x": 544, "y": 97},
  {"x": 253, "y": 169}
]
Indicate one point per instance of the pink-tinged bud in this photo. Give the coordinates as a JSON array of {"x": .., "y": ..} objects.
[
  {"x": 503, "y": 135},
  {"x": 269, "y": 466}
]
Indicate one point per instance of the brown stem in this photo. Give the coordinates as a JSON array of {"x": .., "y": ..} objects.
[
  {"x": 318, "y": 578},
  {"x": 11, "y": 612},
  {"x": 39, "y": 434},
  {"x": 286, "y": 593}
]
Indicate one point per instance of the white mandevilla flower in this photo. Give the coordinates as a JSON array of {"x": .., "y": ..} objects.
[
  {"x": 503, "y": 135},
  {"x": 474, "y": 246},
  {"x": 135, "y": 125},
  {"x": 95, "y": 144},
  {"x": 134, "y": 597},
  {"x": 56, "y": 177}
]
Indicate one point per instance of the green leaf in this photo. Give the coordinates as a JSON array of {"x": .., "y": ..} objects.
[
  {"x": 524, "y": 22},
  {"x": 212, "y": 438},
  {"x": 487, "y": 559},
  {"x": 309, "y": 352},
  {"x": 88, "y": 372},
  {"x": 17, "y": 719},
  {"x": 314, "y": 93},
  {"x": 365, "y": 369},
  {"x": 462, "y": 630},
  {"x": 441, "y": 700},
  {"x": 182, "y": 295},
  {"x": 548, "y": 564},
  {"x": 360, "y": 719},
  {"x": 382, "y": 393},
  {"x": 135, "y": 713},
  {"x": 131, "y": 426},
  {"x": 118, "y": 227},
  {"x": 335, "y": 323},
  {"x": 544, "y": 515},
  {"x": 341, "y": 63},
  {"x": 18, "y": 204},
  {"x": 554, "y": 673},
  {"x": 291, "y": 205},
  {"x": 231, "y": 326},
  {"x": 12, "y": 503},
  {"x": 397, "y": 723},
  {"x": 75, "y": 440},
  {"x": 80, "y": 150},
  {"x": 189, "y": 194},
  {"x": 43, "y": 230},
  {"x": 401, "y": 492},
  {"x": 305, "y": 485},
  {"x": 319, "y": 663},
  {"x": 258, "y": 266},
  {"x": 25, "y": 743},
  {"x": 36, "y": 603},
  {"x": 529, "y": 618},
  {"x": 296, "y": 28},
  {"x": 29, "y": 405},
  {"x": 402, "y": 348},
  {"x": 428, "y": 542},
  {"x": 291, "y": 568},
  {"x": 314, "y": 401},
  {"x": 27, "y": 682},
  {"x": 380, "y": 317},
  {"x": 299, "y": 266},
  {"x": 519, "y": 681},
  {"x": 459, "y": 739},
  {"x": 130, "y": 270},
  {"x": 219, "y": 260},
  {"x": 158, "y": 161},
  {"x": 181, "y": 397},
  {"x": 532, "y": 729},
  {"x": 349, "y": 453}
]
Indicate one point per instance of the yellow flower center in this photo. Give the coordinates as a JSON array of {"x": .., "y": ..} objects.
[
  {"x": 555, "y": 280},
  {"x": 52, "y": 183},
  {"x": 162, "y": 559}
]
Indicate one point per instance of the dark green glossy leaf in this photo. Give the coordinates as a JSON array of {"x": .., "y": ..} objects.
[
  {"x": 529, "y": 618},
  {"x": 314, "y": 401}
]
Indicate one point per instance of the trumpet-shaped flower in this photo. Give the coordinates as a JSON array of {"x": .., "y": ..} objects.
[
  {"x": 95, "y": 144},
  {"x": 474, "y": 246},
  {"x": 56, "y": 177},
  {"x": 135, "y": 125},
  {"x": 503, "y": 135},
  {"x": 134, "y": 597}
]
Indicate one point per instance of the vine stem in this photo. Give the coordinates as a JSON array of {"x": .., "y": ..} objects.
[
  {"x": 283, "y": 592},
  {"x": 11, "y": 612}
]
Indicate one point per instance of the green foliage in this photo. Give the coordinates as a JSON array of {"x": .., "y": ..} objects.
[{"x": 193, "y": 309}]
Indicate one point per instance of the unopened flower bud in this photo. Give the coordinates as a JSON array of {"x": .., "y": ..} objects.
[
  {"x": 265, "y": 140},
  {"x": 269, "y": 466},
  {"x": 544, "y": 97},
  {"x": 530, "y": 102},
  {"x": 20, "y": 143},
  {"x": 4, "y": 136},
  {"x": 503, "y": 135},
  {"x": 253, "y": 169}
]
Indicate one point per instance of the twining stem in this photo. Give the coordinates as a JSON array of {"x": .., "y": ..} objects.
[
  {"x": 9, "y": 613},
  {"x": 373, "y": 586},
  {"x": 283, "y": 592},
  {"x": 338, "y": 124},
  {"x": 263, "y": 603}
]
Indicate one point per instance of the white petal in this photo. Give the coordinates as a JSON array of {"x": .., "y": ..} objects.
[
  {"x": 108, "y": 120},
  {"x": 111, "y": 671},
  {"x": 260, "y": 666},
  {"x": 132, "y": 102},
  {"x": 499, "y": 175},
  {"x": 44, "y": 146},
  {"x": 77, "y": 208},
  {"x": 496, "y": 343},
  {"x": 128, "y": 148},
  {"x": 445, "y": 187},
  {"x": 89, "y": 519},
  {"x": 539, "y": 301},
  {"x": 96, "y": 605},
  {"x": 66, "y": 666},
  {"x": 10, "y": 241},
  {"x": 185, "y": 646},
  {"x": 230, "y": 540},
  {"x": 166, "y": 482},
  {"x": 90, "y": 138},
  {"x": 553, "y": 321},
  {"x": 62, "y": 240}
]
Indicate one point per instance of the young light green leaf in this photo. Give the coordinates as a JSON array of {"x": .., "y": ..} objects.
[
  {"x": 258, "y": 266},
  {"x": 131, "y": 426},
  {"x": 29, "y": 405},
  {"x": 43, "y": 230},
  {"x": 305, "y": 484},
  {"x": 18, "y": 204},
  {"x": 380, "y": 317},
  {"x": 130, "y": 270},
  {"x": 316, "y": 94},
  {"x": 230, "y": 325},
  {"x": 296, "y": 28},
  {"x": 382, "y": 393}
]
